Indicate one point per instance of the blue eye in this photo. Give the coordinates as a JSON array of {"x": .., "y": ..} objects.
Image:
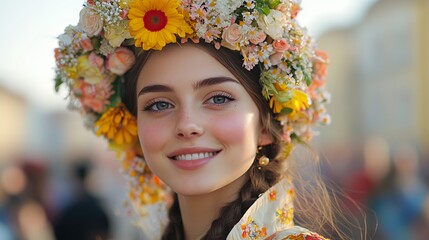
[
  {"x": 220, "y": 99},
  {"x": 158, "y": 106}
]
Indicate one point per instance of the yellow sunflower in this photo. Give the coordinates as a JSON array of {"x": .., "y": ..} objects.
[
  {"x": 118, "y": 125},
  {"x": 155, "y": 23}
]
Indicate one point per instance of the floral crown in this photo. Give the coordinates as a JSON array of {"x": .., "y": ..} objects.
[{"x": 93, "y": 56}]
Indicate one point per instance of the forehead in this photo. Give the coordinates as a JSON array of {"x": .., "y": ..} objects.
[{"x": 177, "y": 63}]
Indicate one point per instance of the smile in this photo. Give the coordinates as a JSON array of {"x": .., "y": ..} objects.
[
  {"x": 190, "y": 159},
  {"x": 194, "y": 156}
]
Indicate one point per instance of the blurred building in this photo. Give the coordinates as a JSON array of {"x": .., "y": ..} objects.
[
  {"x": 13, "y": 117},
  {"x": 379, "y": 75}
]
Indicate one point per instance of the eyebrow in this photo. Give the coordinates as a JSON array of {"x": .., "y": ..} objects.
[
  {"x": 154, "y": 88},
  {"x": 200, "y": 84}
]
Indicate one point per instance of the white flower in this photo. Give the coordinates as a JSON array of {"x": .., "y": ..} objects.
[
  {"x": 273, "y": 23},
  {"x": 326, "y": 96},
  {"x": 325, "y": 119},
  {"x": 90, "y": 21},
  {"x": 250, "y": 4},
  {"x": 299, "y": 74},
  {"x": 65, "y": 39},
  {"x": 250, "y": 61},
  {"x": 248, "y": 17}
]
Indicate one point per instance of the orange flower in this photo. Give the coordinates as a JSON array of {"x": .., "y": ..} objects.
[
  {"x": 272, "y": 196},
  {"x": 320, "y": 67},
  {"x": 118, "y": 125}
]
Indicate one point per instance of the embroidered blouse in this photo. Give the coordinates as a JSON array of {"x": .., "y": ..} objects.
[{"x": 271, "y": 218}]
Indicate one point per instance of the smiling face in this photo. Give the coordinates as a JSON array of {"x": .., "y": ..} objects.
[{"x": 197, "y": 125}]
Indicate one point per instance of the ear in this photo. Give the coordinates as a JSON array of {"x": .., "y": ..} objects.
[{"x": 265, "y": 139}]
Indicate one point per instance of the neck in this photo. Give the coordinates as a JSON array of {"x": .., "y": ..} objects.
[{"x": 199, "y": 211}]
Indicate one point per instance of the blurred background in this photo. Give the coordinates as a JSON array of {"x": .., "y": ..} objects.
[{"x": 376, "y": 149}]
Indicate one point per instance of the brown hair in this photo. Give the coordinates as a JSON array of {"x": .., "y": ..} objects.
[{"x": 315, "y": 215}]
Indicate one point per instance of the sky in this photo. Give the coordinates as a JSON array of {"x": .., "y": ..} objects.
[{"x": 28, "y": 31}]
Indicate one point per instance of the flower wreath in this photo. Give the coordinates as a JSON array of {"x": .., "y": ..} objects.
[{"x": 93, "y": 56}]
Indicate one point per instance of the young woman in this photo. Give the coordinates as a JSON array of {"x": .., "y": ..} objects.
[{"x": 203, "y": 101}]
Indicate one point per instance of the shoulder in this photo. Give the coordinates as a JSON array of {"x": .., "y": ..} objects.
[{"x": 295, "y": 233}]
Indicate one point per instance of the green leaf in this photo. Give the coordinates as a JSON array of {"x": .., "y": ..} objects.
[
  {"x": 129, "y": 42},
  {"x": 265, "y": 10},
  {"x": 96, "y": 42},
  {"x": 274, "y": 3},
  {"x": 296, "y": 138},
  {"x": 58, "y": 83},
  {"x": 307, "y": 79},
  {"x": 259, "y": 3},
  {"x": 286, "y": 111},
  {"x": 117, "y": 96}
]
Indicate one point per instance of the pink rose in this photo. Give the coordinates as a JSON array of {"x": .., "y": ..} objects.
[
  {"x": 281, "y": 45},
  {"x": 86, "y": 44},
  {"x": 121, "y": 61},
  {"x": 231, "y": 36},
  {"x": 258, "y": 37},
  {"x": 90, "y": 21},
  {"x": 96, "y": 61},
  {"x": 276, "y": 58}
]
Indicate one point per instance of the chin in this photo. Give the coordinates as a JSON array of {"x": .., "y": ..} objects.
[{"x": 192, "y": 189}]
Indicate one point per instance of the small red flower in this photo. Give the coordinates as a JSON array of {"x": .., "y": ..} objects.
[{"x": 272, "y": 196}]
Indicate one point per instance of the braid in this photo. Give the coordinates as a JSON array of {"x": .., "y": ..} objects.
[
  {"x": 174, "y": 229},
  {"x": 260, "y": 180}
]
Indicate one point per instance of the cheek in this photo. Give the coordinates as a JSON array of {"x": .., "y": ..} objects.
[
  {"x": 152, "y": 136},
  {"x": 237, "y": 127}
]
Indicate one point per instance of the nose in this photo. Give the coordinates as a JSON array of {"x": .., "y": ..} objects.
[{"x": 188, "y": 125}]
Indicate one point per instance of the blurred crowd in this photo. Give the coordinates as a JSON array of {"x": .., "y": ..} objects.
[
  {"x": 38, "y": 203},
  {"x": 385, "y": 188}
]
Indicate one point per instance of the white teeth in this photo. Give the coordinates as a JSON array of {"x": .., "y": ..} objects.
[{"x": 194, "y": 156}]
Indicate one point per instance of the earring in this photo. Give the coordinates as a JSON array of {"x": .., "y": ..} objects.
[{"x": 263, "y": 160}]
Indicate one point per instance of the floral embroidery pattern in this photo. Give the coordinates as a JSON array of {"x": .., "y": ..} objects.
[
  {"x": 272, "y": 196},
  {"x": 305, "y": 236},
  {"x": 285, "y": 215},
  {"x": 250, "y": 230}
]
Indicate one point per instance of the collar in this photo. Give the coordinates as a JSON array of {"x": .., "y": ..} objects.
[{"x": 272, "y": 212}]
